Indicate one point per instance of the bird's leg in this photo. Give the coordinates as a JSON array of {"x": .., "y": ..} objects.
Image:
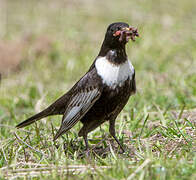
[
  {"x": 87, "y": 152},
  {"x": 112, "y": 132},
  {"x": 86, "y": 141}
]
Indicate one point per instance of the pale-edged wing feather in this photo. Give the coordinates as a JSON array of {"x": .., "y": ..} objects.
[{"x": 78, "y": 106}]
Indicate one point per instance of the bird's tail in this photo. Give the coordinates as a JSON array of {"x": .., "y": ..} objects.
[
  {"x": 58, "y": 107},
  {"x": 36, "y": 117}
]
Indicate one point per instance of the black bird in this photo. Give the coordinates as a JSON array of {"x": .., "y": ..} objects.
[{"x": 102, "y": 92}]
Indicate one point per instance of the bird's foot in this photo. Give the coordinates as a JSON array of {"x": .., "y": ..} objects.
[{"x": 85, "y": 153}]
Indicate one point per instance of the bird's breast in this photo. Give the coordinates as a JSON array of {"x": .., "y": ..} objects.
[
  {"x": 111, "y": 100},
  {"x": 113, "y": 75}
]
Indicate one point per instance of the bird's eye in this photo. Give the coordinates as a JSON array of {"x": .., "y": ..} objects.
[{"x": 112, "y": 30}]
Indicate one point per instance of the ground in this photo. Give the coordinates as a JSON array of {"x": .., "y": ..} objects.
[{"x": 46, "y": 46}]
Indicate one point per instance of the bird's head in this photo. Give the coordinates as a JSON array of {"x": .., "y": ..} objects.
[{"x": 118, "y": 34}]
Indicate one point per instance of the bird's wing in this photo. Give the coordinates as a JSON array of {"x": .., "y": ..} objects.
[{"x": 80, "y": 102}]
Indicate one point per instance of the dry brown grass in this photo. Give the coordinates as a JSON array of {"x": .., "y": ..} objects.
[
  {"x": 13, "y": 53},
  {"x": 10, "y": 56}
]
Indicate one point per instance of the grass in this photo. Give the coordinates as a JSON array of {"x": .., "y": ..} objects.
[{"x": 55, "y": 42}]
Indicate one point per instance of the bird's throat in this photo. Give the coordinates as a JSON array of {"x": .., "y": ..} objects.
[{"x": 115, "y": 54}]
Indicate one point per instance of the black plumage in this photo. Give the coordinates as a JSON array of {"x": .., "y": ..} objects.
[{"x": 96, "y": 97}]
